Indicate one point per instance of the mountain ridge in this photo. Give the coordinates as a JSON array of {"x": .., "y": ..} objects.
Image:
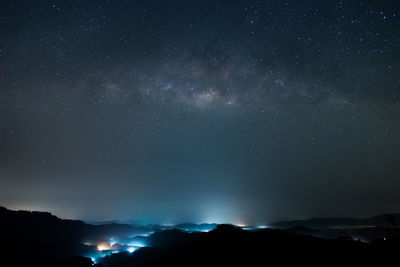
[{"x": 377, "y": 220}]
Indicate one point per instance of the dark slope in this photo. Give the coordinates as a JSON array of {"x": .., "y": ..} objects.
[{"x": 40, "y": 236}]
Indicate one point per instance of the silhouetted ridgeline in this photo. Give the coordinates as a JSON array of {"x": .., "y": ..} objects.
[
  {"x": 228, "y": 245},
  {"x": 380, "y": 220},
  {"x": 41, "y": 239}
]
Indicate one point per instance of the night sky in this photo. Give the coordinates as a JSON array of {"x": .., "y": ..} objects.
[{"x": 202, "y": 111}]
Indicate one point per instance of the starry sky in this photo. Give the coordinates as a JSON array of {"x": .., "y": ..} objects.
[{"x": 202, "y": 111}]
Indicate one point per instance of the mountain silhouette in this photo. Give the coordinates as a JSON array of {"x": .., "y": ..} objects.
[
  {"x": 379, "y": 220},
  {"x": 42, "y": 239}
]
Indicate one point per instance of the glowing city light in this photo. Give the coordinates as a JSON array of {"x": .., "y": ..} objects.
[
  {"x": 136, "y": 244},
  {"x": 112, "y": 241},
  {"x": 103, "y": 246}
]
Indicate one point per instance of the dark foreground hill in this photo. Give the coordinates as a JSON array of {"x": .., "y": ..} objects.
[{"x": 41, "y": 239}]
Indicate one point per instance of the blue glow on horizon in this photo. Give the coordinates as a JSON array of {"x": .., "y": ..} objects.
[
  {"x": 112, "y": 241},
  {"x": 136, "y": 244}
]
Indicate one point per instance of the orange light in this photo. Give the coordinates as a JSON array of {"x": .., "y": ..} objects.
[{"x": 103, "y": 246}]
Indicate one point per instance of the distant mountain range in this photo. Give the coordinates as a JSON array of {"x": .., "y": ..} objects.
[
  {"x": 339, "y": 222},
  {"x": 189, "y": 227},
  {"x": 192, "y": 227},
  {"x": 334, "y": 222}
]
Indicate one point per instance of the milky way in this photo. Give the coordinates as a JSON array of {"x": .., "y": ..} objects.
[{"x": 203, "y": 111}]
